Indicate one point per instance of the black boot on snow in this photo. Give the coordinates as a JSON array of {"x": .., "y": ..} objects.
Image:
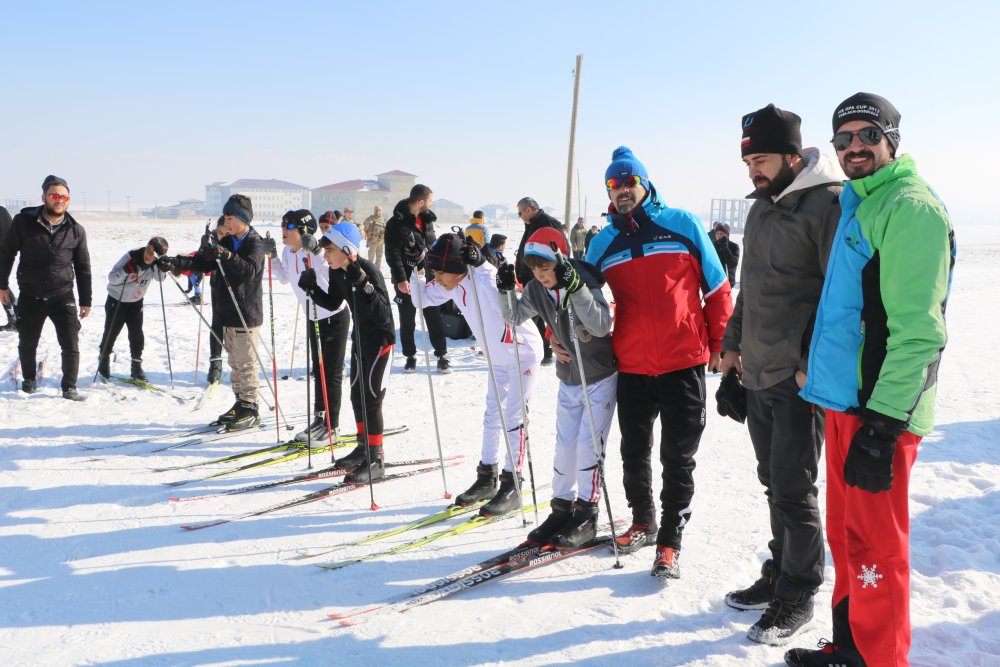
[
  {"x": 214, "y": 370},
  {"x": 28, "y": 385},
  {"x": 104, "y": 366},
  {"x": 506, "y": 499},
  {"x": 354, "y": 459},
  {"x": 137, "y": 373},
  {"x": 484, "y": 486},
  {"x": 246, "y": 417},
  {"x": 759, "y": 594},
  {"x": 580, "y": 529},
  {"x": 562, "y": 512},
  {"x": 782, "y": 620},
  {"x": 828, "y": 655},
  {"x": 227, "y": 416},
  {"x": 363, "y": 473}
]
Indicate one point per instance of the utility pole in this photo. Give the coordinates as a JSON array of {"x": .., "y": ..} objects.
[{"x": 572, "y": 140}]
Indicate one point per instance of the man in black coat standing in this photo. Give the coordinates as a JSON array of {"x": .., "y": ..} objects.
[
  {"x": 53, "y": 248},
  {"x": 534, "y": 219},
  {"x": 408, "y": 233}
]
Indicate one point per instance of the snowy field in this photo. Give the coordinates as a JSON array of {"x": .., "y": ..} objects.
[{"x": 95, "y": 569}]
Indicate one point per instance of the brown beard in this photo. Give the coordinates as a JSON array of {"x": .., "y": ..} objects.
[{"x": 775, "y": 186}]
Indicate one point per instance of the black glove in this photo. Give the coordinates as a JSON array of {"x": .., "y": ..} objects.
[
  {"x": 270, "y": 247},
  {"x": 731, "y": 398},
  {"x": 471, "y": 254},
  {"x": 181, "y": 263},
  {"x": 505, "y": 278},
  {"x": 567, "y": 278},
  {"x": 165, "y": 263},
  {"x": 868, "y": 465},
  {"x": 355, "y": 274},
  {"x": 307, "y": 280}
]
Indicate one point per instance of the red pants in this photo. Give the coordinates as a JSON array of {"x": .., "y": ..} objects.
[{"x": 869, "y": 536}]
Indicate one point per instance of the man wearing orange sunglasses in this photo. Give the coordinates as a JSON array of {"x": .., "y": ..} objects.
[
  {"x": 673, "y": 302},
  {"x": 53, "y": 249}
]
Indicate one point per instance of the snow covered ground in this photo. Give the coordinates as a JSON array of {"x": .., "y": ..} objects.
[{"x": 95, "y": 570}]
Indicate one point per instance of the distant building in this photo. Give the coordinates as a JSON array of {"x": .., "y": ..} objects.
[
  {"x": 494, "y": 212},
  {"x": 730, "y": 211},
  {"x": 186, "y": 208},
  {"x": 448, "y": 213},
  {"x": 14, "y": 206},
  {"x": 362, "y": 195},
  {"x": 271, "y": 198}
]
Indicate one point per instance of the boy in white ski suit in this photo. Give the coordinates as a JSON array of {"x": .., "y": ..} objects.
[{"x": 454, "y": 272}]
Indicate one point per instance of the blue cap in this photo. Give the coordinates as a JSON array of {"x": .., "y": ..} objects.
[
  {"x": 344, "y": 235},
  {"x": 624, "y": 163}
]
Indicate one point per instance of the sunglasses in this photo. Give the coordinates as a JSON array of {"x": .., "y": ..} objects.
[
  {"x": 869, "y": 136},
  {"x": 622, "y": 182},
  {"x": 291, "y": 226},
  {"x": 57, "y": 197}
]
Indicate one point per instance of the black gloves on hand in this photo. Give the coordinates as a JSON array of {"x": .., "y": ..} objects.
[
  {"x": 165, "y": 263},
  {"x": 472, "y": 255},
  {"x": 307, "y": 280},
  {"x": 270, "y": 247},
  {"x": 868, "y": 465},
  {"x": 413, "y": 251},
  {"x": 731, "y": 398},
  {"x": 355, "y": 274},
  {"x": 506, "y": 278},
  {"x": 567, "y": 278}
]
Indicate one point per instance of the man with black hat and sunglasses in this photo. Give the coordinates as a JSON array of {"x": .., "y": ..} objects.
[
  {"x": 53, "y": 248},
  {"x": 334, "y": 324},
  {"x": 789, "y": 233},
  {"x": 128, "y": 281},
  {"x": 873, "y": 362}
]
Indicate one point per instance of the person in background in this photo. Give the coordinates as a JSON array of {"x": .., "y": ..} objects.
[
  {"x": 349, "y": 217},
  {"x": 534, "y": 218},
  {"x": 128, "y": 281},
  {"x": 374, "y": 231},
  {"x": 594, "y": 229},
  {"x": 9, "y": 305},
  {"x": 729, "y": 252},
  {"x": 328, "y": 219},
  {"x": 477, "y": 230},
  {"x": 54, "y": 254},
  {"x": 873, "y": 362},
  {"x": 578, "y": 239}
]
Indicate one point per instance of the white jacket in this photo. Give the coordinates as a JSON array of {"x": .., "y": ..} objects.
[
  {"x": 290, "y": 266},
  {"x": 498, "y": 332}
]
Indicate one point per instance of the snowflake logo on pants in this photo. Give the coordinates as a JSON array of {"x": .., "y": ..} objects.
[{"x": 869, "y": 577}]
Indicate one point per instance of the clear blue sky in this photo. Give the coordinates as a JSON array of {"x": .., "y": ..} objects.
[{"x": 154, "y": 100}]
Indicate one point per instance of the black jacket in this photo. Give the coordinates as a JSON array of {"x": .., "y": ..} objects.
[
  {"x": 5, "y": 222},
  {"x": 244, "y": 271},
  {"x": 398, "y": 231},
  {"x": 373, "y": 323},
  {"x": 50, "y": 260},
  {"x": 729, "y": 255},
  {"x": 542, "y": 219}
]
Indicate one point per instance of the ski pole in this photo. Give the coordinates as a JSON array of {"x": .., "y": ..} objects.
[
  {"x": 166, "y": 336},
  {"x": 114, "y": 318},
  {"x": 322, "y": 366},
  {"x": 274, "y": 358},
  {"x": 496, "y": 393},
  {"x": 295, "y": 333},
  {"x": 430, "y": 384},
  {"x": 598, "y": 444},
  {"x": 309, "y": 380},
  {"x": 524, "y": 409},
  {"x": 356, "y": 350},
  {"x": 197, "y": 347}
]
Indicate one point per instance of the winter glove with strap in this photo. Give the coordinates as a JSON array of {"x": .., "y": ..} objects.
[
  {"x": 506, "y": 278},
  {"x": 868, "y": 465},
  {"x": 307, "y": 280},
  {"x": 471, "y": 254}
]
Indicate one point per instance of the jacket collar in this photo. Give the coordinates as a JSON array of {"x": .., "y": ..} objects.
[{"x": 901, "y": 167}]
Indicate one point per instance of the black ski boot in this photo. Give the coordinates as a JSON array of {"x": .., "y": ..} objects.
[
  {"x": 363, "y": 473},
  {"x": 484, "y": 486},
  {"x": 411, "y": 365},
  {"x": 759, "y": 594},
  {"x": 562, "y": 512},
  {"x": 783, "y": 620},
  {"x": 506, "y": 499},
  {"x": 828, "y": 655},
  {"x": 357, "y": 456},
  {"x": 214, "y": 370},
  {"x": 28, "y": 385},
  {"x": 72, "y": 394},
  {"x": 137, "y": 373},
  {"x": 104, "y": 366},
  {"x": 228, "y": 416},
  {"x": 580, "y": 529},
  {"x": 317, "y": 431},
  {"x": 246, "y": 416}
]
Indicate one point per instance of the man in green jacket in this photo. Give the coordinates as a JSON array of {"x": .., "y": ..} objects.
[
  {"x": 789, "y": 233},
  {"x": 873, "y": 362}
]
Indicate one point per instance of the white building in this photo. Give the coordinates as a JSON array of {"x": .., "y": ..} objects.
[{"x": 271, "y": 198}]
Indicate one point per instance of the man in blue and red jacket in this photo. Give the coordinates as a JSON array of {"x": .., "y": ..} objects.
[{"x": 672, "y": 304}]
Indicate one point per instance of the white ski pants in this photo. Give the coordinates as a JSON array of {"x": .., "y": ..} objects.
[
  {"x": 574, "y": 467},
  {"x": 510, "y": 402}
]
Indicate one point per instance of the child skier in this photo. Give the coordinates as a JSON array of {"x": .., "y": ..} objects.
[
  {"x": 357, "y": 282},
  {"x": 455, "y": 264},
  {"x": 127, "y": 284},
  {"x": 576, "y": 482}
]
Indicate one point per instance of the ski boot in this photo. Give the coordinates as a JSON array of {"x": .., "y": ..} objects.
[
  {"x": 562, "y": 512},
  {"x": 104, "y": 366},
  {"x": 364, "y": 473},
  {"x": 71, "y": 394},
  {"x": 506, "y": 498},
  {"x": 137, "y": 373},
  {"x": 357, "y": 456},
  {"x": 411, "y": 365},
  {"x": 580, "y": 529},
  {"x": 28, "y": 385},
  {"x": 246, "y": 416},
  {"x": 228, "y": 416},
  {"x": 484, "y": 486},
  {"x": 317, "y": 434}
]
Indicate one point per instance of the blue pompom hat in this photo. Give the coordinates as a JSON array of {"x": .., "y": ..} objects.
[{"x": 624, "y": 163}]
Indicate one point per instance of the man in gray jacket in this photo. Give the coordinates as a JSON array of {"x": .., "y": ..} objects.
[{"x": 789, "y": 233}]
